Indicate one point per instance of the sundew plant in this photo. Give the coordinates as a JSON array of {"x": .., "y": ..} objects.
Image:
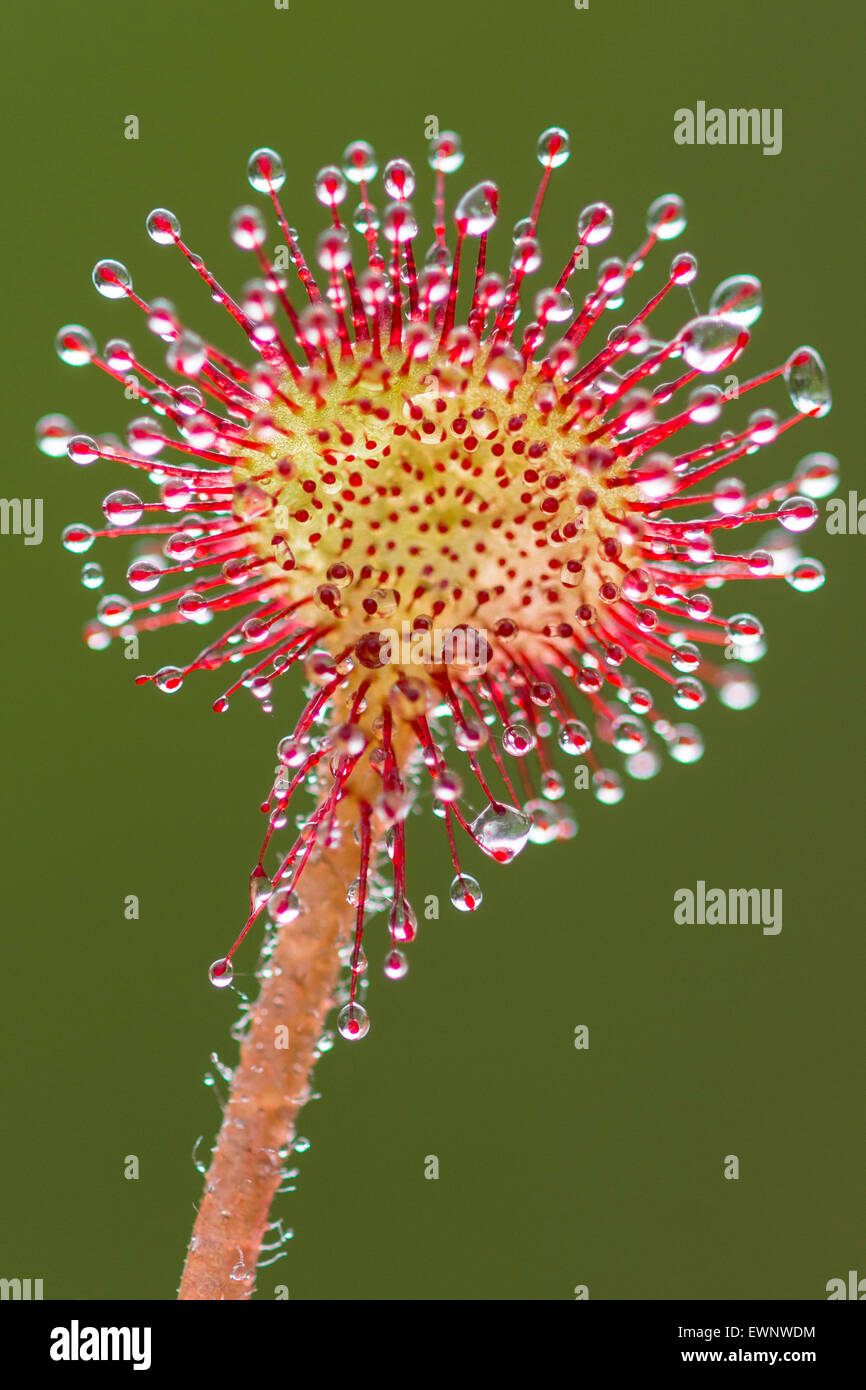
[{"x": 453, "y": 501}]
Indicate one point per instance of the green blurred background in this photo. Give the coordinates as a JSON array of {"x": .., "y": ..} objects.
[{"x": 558, "y": 1167}]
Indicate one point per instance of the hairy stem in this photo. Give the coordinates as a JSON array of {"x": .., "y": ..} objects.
[{"x": 271, "y": 1081}]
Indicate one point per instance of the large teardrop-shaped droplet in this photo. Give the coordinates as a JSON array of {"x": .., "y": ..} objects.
[
  {"x": 740, "y": 298},
  {"x": 476, "y": 211},
  {"x": 711, "y": 342},
  {"x": 501, "y": 831},
  {"x": 808, "y": 386}
]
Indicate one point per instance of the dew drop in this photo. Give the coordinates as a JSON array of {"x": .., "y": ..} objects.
[
  {"x": 402, "y": 923},
  {"x": 82, "y": 449},
  {"x": 687, "y": 744},
  {"x": 365, "y": 219},
  {"x": 552, "y": 785},
  {"x": 447, "y": 785},
  {"x": 398, "y": 176},
  {"x": 817, "y": 474},
  {"x": 666, "y": 217},
  {"x": 112, "y": 279},
  {"x": 628, "y": 735},
  {"x": 283, "y": 906},
  {"x": 168, "y": 679},
  {"x": 445, "y": 153},
  {"x": 92, "y": 576},
  {"x": 359, "y": 162},
  {"x": 553, "y": 306},
  {"x": 122, "y": 508},
  {"x": 738, "y": 690},
  {"x": 78, "y": 538},
  {"x": 476, "y": 211},
  {"x": 465, "y": 893},
  {"x": 353, "y": 1022},
  {"x": 689, "y": 694},
  {"x": 574, "y": 738},
  {"x": 807, "y": 576},
  {"x": 710, "y": 342},
  {"x": 247, "y": 228},
  {"x": 75, "y": 345},
  {"x": 686, "y": 657},
  {"x": 808, "y": 386},
  {"x": 553, "y": 147},
  {"x": 740, "y": 298},
  {"x": 96, "y": 637},
  {"x": 518, "y": 740},
  {"x": 265, "y": 170},
  {"x": 637, "y": 585},
  {"x": 53, "y": 433},
  {"x": 330, "y": 186},
  {"x": 501, "y": 831},
  {"x": 260, "y": 890},
  {"x": 162, "y": 227},
  {"x": 396, "y": 965},
  {"x": 643, "y": 765},
  {"x": 471, "y": 735},
  {"x": 113, "y": 610},
  {"x": 143, "y": 576},
  {"x": 595, "y": 224},
  {"x": 221, "y": 973},
  {"x": 607, "y": 787},
  {"x": 684, "y": 268},
  {"x": 798, "y": 514}
]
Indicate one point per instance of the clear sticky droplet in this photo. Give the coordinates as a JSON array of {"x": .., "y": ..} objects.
[
  {"x": 162, "y": 227},
  {"x": 476, "y": 211},
  {"x": 666, "y": 217},
  {"x": 574, "y": 738},
  {"x": 740, "y": 298},
  {"x": 817, "y": 474},
  {"x": 396, "y": 965},
  {"x": 113, "y": 610},
  {"x": 112, "y": 279},
  {"x": 123, "y": 508},
  {"x": 595, "y": 224},
  {"x": 92, "y": 576},
  {"x": 221, "y": 973},
  {"x": 53, "y": 433},
  {"x": 806, "y": 576},
  {"x": 359, "y": 162},
  {"x": 798, "y": 514},
  {"x": 553, "y": 147},
  {"x": 265, "y": 170},
  {"x": 78, "y": 538},
  {"x": 168, "y": 679},
  {"x": 518, "y": 740},
  {"x": 445, "y": 153},
  {"x": 501, "y": 832},
  {"x": 711, "y": 342},
  {"x": 465, "y": 893},
  {"x": 807, "y": 382},
  {"x": 75, "y": 345},
  {"x": 353, "y": 1022},
  {"x": 283, "y": 906}
]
